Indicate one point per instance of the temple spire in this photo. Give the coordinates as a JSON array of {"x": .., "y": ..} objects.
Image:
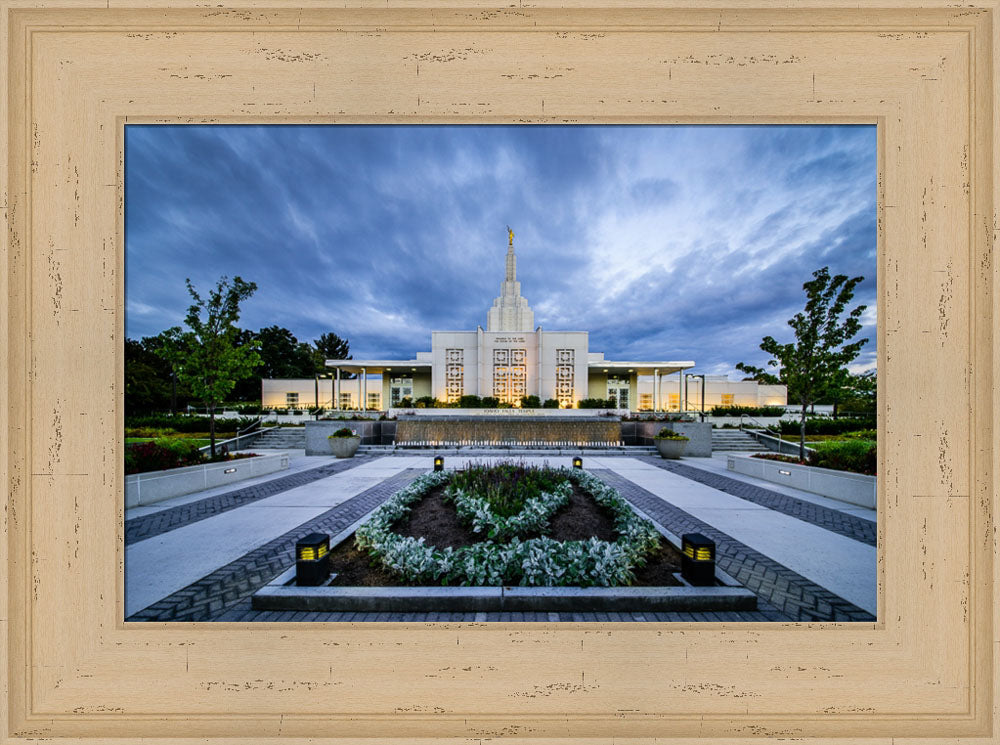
[
  {"x": 510, "y": 311},
  {"x": 511, "y": 258}
]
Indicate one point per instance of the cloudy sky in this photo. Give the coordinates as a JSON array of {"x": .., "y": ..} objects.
[{"x": 663, "y": 242}]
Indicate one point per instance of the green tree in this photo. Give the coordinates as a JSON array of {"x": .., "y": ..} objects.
[
  {"x": 248, "y": 389},
  {"x": 822, "y": 348},
  {"x": 207, "y": 357},
  {"x": 149, "y": 383},
  {"x": 330, "y": 346},
  {"x": 861, "y": 394},
  {"x": 282, "y": 355}
]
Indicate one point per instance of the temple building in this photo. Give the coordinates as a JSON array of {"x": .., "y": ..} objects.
[{"x": 509, "y": 359}]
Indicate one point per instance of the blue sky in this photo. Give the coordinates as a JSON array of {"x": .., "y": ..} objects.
[{"x": 664, "y": 242}]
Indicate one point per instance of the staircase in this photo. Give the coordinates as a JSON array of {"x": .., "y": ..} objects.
[
  {"x": 734, "y": 439},
  {"x": 282, "y": 438}
]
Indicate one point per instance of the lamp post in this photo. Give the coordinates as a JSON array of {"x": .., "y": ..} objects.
[{"x": 695, "y": 375}]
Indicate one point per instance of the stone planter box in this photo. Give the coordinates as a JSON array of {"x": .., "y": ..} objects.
[
  {"x": 699, "y": 435},
  {"x": 854, "y": 488},
  {"x": 155, "y": 486},
  {"x": 344, "y": 447},
  {"x": 371, "y": 432},
  {"x": 672, "y": 449}
]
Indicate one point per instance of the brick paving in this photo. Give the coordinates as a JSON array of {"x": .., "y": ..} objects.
[
  {"x": 830, "y": 519},
  {"x": 798, "y": 598},
  {"x": 148, "y": 526},
  {"x": 213, "y": 595}
]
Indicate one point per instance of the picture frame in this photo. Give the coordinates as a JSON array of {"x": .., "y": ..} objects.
[{"x": 79, "y": 71}]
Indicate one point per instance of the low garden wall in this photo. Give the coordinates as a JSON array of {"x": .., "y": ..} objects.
[
  {"x": 699, "y": 435},
  {"x": 371, "y": 432},
  {"x": 854, "y": 488},
  {"x": 509, "y": 429},
  {"x": 155, "y": 486}
]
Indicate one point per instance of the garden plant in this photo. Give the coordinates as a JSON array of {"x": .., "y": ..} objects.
[{"x": 515, "y": 549}]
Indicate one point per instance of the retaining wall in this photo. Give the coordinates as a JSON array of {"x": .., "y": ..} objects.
[
  {"x": 155, "y": 486},
  {"x": 855, "y": 488},
  {"x": 372, "y": 432},
  {"x": 699, "y": 435},
  {"x": 508, "y": 429}
]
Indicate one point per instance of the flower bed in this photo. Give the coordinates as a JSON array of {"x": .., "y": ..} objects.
[
  {"x": 164, "y": 453},
  {"x": 537, "y": 561},
  {"x": 854, "y": 456}
]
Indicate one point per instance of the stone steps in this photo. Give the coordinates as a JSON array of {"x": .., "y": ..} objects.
[
  {"x": 278, "y": 438},
  {"x": 734, "y": 440}
]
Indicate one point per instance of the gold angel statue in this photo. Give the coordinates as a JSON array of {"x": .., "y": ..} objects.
[{"x": 510, "y": 236}]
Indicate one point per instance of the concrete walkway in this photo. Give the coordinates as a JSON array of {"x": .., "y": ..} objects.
[{"x": 163, "y": 565}]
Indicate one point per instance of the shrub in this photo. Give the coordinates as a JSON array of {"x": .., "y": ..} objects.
[
  {"x": 490, "y": 402},
  {"x": 406, "y": 402},
  {"x": 470, "y": 402},
  {"x": 187, "y": 424},
  {"x": 160, "y": 455},
  {"x": 505, "y": 486},
  {"x": 596, "y": 403},
  {"x": 862, "y": 434},
  {"x": 344, "y": 432},
  {"x": 538, "y": 561},
  {"x": 853, "y": 455},
  {"x": 427, "y": 402},
  {"x": 825, "y": 426},
  {"x": 769, "y": 411},
  {"x": 550, "y": 403},
  {"x": 669, "y": 434},
  {"x": 499, "y": 520},
  {"x": 530, "y": 402}
]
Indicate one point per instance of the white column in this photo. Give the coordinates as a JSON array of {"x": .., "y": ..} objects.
[
  {"x": 680, "y": 388},
  {"x": 656, "y": 389},
  {"x": 364, "y": 389},
  {"x": 337, "y": 390}
]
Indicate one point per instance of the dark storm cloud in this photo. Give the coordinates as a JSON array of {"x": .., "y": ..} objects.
[{"x": 663, "y": 242}]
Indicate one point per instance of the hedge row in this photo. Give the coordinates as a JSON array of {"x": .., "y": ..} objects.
[
  {"x": 825, "y": 426},
  {"x": 185, "y": 423}
]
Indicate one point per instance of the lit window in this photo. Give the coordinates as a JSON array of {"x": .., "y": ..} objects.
[
  {"x": 292, "y": 398},
  {"x": 645, "y": 402},
  {"x": 728, "y": 399},
  {"x": 674, "y": 400}
]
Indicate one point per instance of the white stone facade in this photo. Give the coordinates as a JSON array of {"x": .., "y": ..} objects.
[{"x": 513, "y": 358}]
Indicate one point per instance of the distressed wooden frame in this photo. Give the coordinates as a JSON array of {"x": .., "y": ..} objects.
[{"x": 77, "y": 70}]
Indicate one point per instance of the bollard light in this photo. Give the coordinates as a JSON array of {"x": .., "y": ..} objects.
[
  {"x": 312, "y": 560},
  {"x": 578, "y": 462},
  {"x": 438, "y": 463},
  {"x": 698, "y": 559}
]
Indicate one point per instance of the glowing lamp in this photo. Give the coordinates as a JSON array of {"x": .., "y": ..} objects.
[
  {"x": 312, "y": 560},
  {"x": 438, "y": 463},
  {"x": 698, "y": 559},
  {"x": 578, "y": 462}
]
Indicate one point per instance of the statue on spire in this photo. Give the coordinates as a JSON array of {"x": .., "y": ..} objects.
[{"x": 510, "y": 236}]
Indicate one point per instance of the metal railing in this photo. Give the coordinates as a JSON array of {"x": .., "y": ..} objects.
[
  {"x": 252, "y": 430},
  {"x": 759, "y": 424}
]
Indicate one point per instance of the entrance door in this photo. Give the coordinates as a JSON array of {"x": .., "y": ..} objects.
[
  {"x": 400, "y": 388},
  {"x": 618, "y": 390}
]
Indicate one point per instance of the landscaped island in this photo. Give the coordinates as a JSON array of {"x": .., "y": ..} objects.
[{"x": 506, "y": 524}]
